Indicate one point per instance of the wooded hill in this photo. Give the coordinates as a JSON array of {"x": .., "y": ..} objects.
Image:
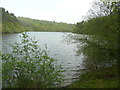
[
  {"x": 42, "y": 25},
  {"x": 13, "y": 24},
  {"x": 10, "y": 23},
  {"x": 101, "y": 46}
]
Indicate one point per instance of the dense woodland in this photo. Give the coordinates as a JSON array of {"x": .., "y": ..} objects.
[
  {"x": 13, "y": 24},
  {"x": 101, "y": 42},
  {"x": 101, "y": 36}
]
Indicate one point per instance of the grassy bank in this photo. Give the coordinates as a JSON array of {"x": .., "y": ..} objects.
[{"x": 102, "y": 78}]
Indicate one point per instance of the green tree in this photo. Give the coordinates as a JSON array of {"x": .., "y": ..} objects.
[
  {"x": 100, "y": 46},
  {"x": 28, "y": 66}
]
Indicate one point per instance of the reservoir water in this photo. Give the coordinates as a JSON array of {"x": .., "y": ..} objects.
[{"x": 59, "y": 49}]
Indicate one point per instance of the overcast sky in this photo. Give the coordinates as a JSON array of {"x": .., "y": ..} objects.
[{"x": 69, "y": 11}]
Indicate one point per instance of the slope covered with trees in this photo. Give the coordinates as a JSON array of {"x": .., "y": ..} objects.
[
  {"x": 12, "y": 24},
  {"x": 42, "y": 25},
  {"x": 101, "y": 42},
  {"x": 101, "y": 38}
]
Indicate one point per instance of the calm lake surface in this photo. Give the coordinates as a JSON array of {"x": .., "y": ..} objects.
[{"x": 59, "y": 49}]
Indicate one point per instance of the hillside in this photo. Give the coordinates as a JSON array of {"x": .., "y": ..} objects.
[
  {"x": 42, "y": 25},
  {"x": 10, "y": 23},
  {"x": 100, "y": 48},
  {"x": 13, "y": 24}
]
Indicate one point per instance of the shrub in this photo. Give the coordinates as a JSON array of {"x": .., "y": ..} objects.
[{"x": 28, "y": 66}]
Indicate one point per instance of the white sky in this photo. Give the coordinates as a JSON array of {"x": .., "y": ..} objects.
[{"x": 69, "y": 11}]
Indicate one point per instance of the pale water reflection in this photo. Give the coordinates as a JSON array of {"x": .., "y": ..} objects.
[{"x": 59, "y": 49}]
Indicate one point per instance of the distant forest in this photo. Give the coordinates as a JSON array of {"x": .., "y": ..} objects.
[{"x": 13, "y": 24}]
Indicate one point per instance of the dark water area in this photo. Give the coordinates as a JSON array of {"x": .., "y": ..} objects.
[{"x": 58, "y": 47}]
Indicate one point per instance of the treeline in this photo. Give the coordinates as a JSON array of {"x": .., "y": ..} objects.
[
  {"x": 42, "y": 25},
  {"x": 101, "y": 37},
  {"x": 13, "y": 24},
  {"x": 10, "y": 23}
]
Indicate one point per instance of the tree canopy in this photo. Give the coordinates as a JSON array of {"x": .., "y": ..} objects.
[{"x": 101, "y": 30}]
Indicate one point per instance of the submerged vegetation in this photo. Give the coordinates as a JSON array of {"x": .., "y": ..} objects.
[{"x": 28, "y": 66}]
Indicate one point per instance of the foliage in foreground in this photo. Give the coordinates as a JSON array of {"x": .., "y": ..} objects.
[{"x": 28, "y": 66}]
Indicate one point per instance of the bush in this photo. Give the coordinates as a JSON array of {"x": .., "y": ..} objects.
[{"x": 28, "y": 66}]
